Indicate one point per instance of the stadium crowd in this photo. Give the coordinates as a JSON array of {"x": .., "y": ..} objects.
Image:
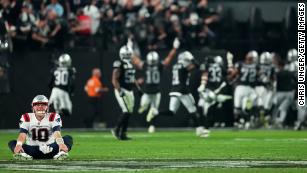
[{"x": 154, "y": 23}]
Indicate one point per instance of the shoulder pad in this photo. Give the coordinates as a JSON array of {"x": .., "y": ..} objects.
[
  {"x": 117, "y": 64},
  {"x": 52, "y": 116},
  {"x": 26, "y": 117}
]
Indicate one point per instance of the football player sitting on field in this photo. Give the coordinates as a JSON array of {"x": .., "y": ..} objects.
[{"x": 40, "y": 134}]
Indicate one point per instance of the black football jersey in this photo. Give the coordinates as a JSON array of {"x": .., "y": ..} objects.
[
  {"x": 152, "y": 76},
  {"x": 285, "y": 81},
  {"x": 248, "y": 74},
  {"x": 62, "y": 77},
  {"x": 127, "y": 74},
  {"x": 216, "y": 74},
  {"x": 180, "y": 79},
  {"x": 266, "y": 73}
]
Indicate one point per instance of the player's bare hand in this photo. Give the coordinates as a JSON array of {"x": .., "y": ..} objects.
[
  {"x": 63, "y": 147},
  {"x": 18, "y": 149}
]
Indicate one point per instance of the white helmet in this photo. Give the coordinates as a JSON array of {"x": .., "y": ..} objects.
[
  {"x": 292, "y": 55},
  {"x": 265, "y": 58},
  {"x": 152, "y": 58},
  {"x": 64, "y": 60},
  {"x": 185, "y": 58},
  {"x": 218, "y": 60},
  {"x": 254, "y": 55},
  {"x": 125, "y": 53},
  {"x": 40, "y": 99}
]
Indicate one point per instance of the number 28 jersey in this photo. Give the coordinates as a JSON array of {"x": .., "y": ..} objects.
[
  {"x": 40, "y": 131},
  {"x": 127, "y": 74}
]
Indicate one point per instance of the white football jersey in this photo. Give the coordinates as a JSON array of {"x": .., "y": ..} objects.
[{"x": 39, "y": 132}]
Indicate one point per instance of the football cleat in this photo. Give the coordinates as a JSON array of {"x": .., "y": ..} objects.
[
  {"x": 22, "y": 156},
  {"x": 151, "y": 129},
  {"x": 124, "y": 137},
  {"x": 61, "y": 156},
  {"x": 115, "y": 133},
  {"x": 202, "y": 132}
]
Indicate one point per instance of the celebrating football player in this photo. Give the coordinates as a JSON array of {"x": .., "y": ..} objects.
[
  {"x": 180, "y": 92},
  {"x": 62, "y": 83},
  {"x": 153, "y": 68},
  {"x": 123, "y": 80}
]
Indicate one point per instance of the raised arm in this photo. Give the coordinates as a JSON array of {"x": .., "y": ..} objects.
[
  {"x": 172, "y": 53},
  {"x": 137, "y": 62}
]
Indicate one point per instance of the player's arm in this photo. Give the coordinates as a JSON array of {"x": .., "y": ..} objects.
[
  {"x": 59, "y": 140},
  {"x": 137, "y": 62},
  {"x": 20, "y": 140},
  {"x": 115, "y": 77},
  {"x": 203, "y": 82},
  {"x": 172, "y": 53}
]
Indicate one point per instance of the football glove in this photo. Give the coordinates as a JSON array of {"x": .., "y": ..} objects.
[
  {"x": 176, "y": 43},
  {"x": 45, "y": 148}
]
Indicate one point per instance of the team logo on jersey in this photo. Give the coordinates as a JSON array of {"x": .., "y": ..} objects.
[{"x": 58, "y": 120}]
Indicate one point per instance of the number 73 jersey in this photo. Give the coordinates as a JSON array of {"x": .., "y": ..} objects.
[{"x": 40, "y": 131}]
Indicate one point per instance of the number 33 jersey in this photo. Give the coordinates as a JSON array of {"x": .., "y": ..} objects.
[{"x": 40, "y": 131}]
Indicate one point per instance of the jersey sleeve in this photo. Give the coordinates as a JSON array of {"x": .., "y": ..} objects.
[
  {"x": 24, "y": 123},
  {"x": 56, "y": 124},
  {"x": 202, "y": 67},
  {"x": 116, "y": 64},
  {"x": 238, "y": 65}
]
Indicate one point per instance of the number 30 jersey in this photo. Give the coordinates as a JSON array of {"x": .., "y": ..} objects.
[
  {"x": 62, "y": 77},
  {"x": 127, "y": 74},
  {"x": 40, "y": 131}
]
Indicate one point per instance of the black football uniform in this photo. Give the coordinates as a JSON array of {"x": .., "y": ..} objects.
[
  {"x": 247, "y": 74},
  {"x": 62, "y": 78},
  {"x": 127, "y": 74},
  {"x": 266, "y": 74},
  {"x": 180, "y": 79},
  {"x": 152, "y": 74},
  {"x": 216, "y": 74}
]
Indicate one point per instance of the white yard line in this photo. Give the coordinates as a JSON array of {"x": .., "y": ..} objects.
[{"x": 124, "y": 165}]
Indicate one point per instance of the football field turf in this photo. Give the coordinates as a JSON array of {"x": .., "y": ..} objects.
[{"x": 173, "y": 151}]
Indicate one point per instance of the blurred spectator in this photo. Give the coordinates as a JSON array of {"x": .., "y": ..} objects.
[
  {"x": 56, "y": 6},
  {"x": 94, "y": 13},
  {"x": 81, "y": 24},
  {"x": 40, "y": 33},
  {"x": 25, "y": 23}
]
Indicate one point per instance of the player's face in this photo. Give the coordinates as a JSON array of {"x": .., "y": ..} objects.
[
  {"x": 249, "y": 60},
  {"x": 40, "y": 109}
]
